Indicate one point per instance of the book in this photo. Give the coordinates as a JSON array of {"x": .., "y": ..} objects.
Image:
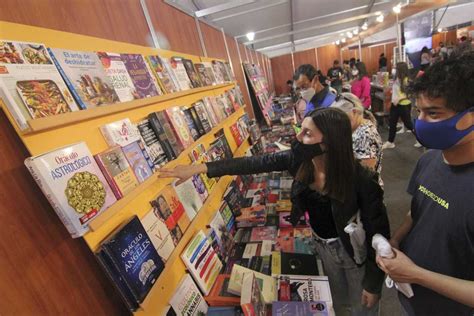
[
  {"x": 192, "y": 74},
  {"x": 170, "y": 209},
  {"x": 85, "y": 77},
  {"x": 134, "y": 257},
  {"x": 156, "y": 121},
  {"x": 234, "y": 130},
  {"x": 318, "y": 308},
  {"x": 198, "y": 155},
  {"x": 224, "y": 311},
  {"x": 268, "y": 285},
  {"x": 162, "y": 73},
  {"x": 117, "y": 73},
  {"x": 120, "y": 133},
  {"x": 211, "y": 106},
  {"x": 141, "y": 77},
  {"x": 200, "y": 187},
  {"x": 210, "y": 112},
  {"x": 294, "y": 263},
  {"x": 217, "y": 72},
  {"x": 304, "y": 288},
  {"x": 220, "y": 137},
  {"x": 251, "y": 300},
  {"x": 205, "y": 73},
  {"x": 134, "y": 154},
  {"x": 202, "y": 262},
  {"x": 116, "y": 169},
  {"x": 30, "y": 84},
  {"x": 193, "y": 130},
  {"x": 158, "y": 233},
  {"x": 202, "y": 115},
  {"x": 187, "y": 300},
  {"x": 252, "y": 216},
  {"x": 219, "y": 296},
  {"x": 152, "y": 144},
  {"x": 227, "y": 216},
  {"x": 180, "y": 73},
  {"x": 263, "y": 233},
  {"x": 180, "y": 126},
  {"x": 191, "y": 115},
  {"x": 189, "y": 197},
  {"x": 73, "y": 184}
]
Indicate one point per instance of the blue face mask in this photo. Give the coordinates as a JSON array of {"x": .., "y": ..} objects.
[{"x": 443, "y": 134}]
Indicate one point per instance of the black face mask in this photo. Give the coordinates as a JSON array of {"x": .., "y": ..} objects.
[{"x": 306, "y": 151}]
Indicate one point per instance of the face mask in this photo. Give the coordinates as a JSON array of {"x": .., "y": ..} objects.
[
  {"x": 394, "y": 72},
  {"x": 355, "y": 72},
  {"x": 441, "y": 135},
  {"x": 306, "y": 151},
  {"x": 307, "y": 94}
]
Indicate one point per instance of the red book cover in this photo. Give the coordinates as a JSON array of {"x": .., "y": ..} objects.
[
  {"x": 234, "y": 130},
  {"x": 180, "y": 127}
]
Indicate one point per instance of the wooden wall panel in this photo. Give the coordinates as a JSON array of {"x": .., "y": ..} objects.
[
  {"x": 326, "y": 56},
  {"x": 99, "y": 18},
  {"x": 437, "y": 38},
  {"x": 389, "y": 54},
  {"x": 282, "y": 71},
  {"x": 346, "y": 54},
  {"x": 451, "y": 38},
  {"x": 305, "y": 57},
  {"x": 43, "y": 271},
  {"x": 214, "y": 41},
  {"x": 366, "y": 56},
  {"x": 373, "y": 63},
  {"x": 177, "y": 27}
]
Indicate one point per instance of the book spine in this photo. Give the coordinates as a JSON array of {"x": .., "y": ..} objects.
[
  {"x": 197, "y": 120},
  {"x": 160, "y": 133},
  {"x": 50, "y": 196},
  {"x": 78, "y": 99},
  {"x": 110, "y": 180}
]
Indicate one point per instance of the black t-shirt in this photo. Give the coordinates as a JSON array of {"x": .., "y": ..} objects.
[
  {"x": 335, "y": 73},
  {"x": 320, "y": 215},
  {"x": 382, "y": 62},
  {"x": 442, "y": 236}
]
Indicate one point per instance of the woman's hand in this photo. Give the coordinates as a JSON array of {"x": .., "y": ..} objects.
[
  {"x": 369, "y": 299},
  {"x": 182, "y": 172}
]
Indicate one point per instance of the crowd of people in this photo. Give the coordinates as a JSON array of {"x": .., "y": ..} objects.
[{"x": 336, "y": 162}]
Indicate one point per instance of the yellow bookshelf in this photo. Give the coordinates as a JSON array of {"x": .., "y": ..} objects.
[{"x": 49, "y": 133}]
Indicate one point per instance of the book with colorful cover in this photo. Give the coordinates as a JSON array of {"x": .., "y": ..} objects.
[
  {"x": 234, "y": 130},
  {"x": 219, "y": 296},
  {"x": 73, "y": 184},
  {"x": 163, "y": 75},
  {"x": 178, "y": 122},
  {"x": 30, "y": 84},
  {"x": 294, "y": 263},
  {"x": 117, "y": 73},
  {"x": 263, "y": 233},
  {"x": 191, "y": 116},
  {"x": 187, "y": 300},
  {"x": 192, "y": 74},
  {"x": 180, "y": 73},
  {"x": 221, "y": 105},
  {"x": 202, "y": 262},
  {"x": 228, "y": 216},
  {"x": 268, "y": 285},
  {"x": 158, "y": 233},
  {"x": 232, "y": 100},
  {"x": 216, "y": 69},
  {"x": 200, "y": 187},
  {"x": 151, "y": 143},
  {"x": 252, "y": 216},
  {"x": 207, "y": 77},
  {"x": 318, "y": 308},
  {"x": 116, "y": 169},
  {"x": 228, "y": 105},
  {"x": 156, "y": 123},
  {"x": 120, "y": 133},
  {"x": 189, "y": 197},
  {"x": 198, "y": 155},
  {"x": 168, "y": 206},
  {"x": 251, "y": 300},
  {"x": 220, "y": 137},
  {"x": 210, "y": 112},
  {"x": 139, "y": 72},
  {"x": 134, "y": 256},
  {"x": 211, "y": 106},
  {"x": 304, "y": 288},
  {"x": 134, "y": 154},
  {"x": 203, "y": 117},
  {"x": 85, "y": 77},
  {"x": 188, "y": 118},
  {"x": 228, "y": 68}
]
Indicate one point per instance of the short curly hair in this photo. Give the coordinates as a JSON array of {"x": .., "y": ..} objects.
[{"x": 451, "y": 79}]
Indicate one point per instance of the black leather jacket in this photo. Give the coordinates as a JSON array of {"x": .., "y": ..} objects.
[{"x": 367, "y": 196}]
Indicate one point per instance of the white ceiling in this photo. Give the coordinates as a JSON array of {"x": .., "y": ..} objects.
[{"x": 283, "y": 25}]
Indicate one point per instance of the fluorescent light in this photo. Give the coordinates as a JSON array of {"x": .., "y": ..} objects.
[
  {"x": 343, "y": 40},
  {"x": 397, "y": 9},
  {"x": 380, "y": 18},
  {"x": 250, "y": 36},
  {"x": 337, "y": 42},
  {"x": 356, "y": 31}
]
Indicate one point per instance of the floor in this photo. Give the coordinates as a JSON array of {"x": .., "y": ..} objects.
[{"x": 398, "y": 163}]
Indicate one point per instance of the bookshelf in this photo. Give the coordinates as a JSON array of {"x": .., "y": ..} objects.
[{"x": 50, "y": 133}]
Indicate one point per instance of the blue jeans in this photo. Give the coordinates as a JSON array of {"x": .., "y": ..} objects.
[{"x": 345, "y": 278}]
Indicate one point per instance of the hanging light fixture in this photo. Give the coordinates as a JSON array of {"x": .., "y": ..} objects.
[
  {"x": 380, "y": 18},
  {"x": 349, "y": 34},
  {"x": 338, "y": 42},
  {"x": 397, "y": 9},
  {"x": 365, "y": 26},
  {"x": 250, "y": 36},
  {"x": 356, "y": 31},
  {"x": 343, "y": 40}
]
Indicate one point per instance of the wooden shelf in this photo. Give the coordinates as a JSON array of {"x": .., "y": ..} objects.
[
  {"x": 168, "y": 280},
  {"x": 52, "y": 122},
  {"x": 96, "y": 223}
]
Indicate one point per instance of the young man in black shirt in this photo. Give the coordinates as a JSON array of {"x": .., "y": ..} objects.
[
  {"x": 382, "y": 62},
  {"x": 335, "y": 76},
  {"x": 437, "y": 238}
]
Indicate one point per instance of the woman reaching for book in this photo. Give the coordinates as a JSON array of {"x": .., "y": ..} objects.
[{"x": 334, "y": 189}]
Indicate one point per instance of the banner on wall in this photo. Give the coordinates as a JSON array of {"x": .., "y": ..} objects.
[{"x": 417, "y": 33}]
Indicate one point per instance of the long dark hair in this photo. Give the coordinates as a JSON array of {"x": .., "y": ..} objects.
[
  {"x": 362, "y": 70},
  {"x": 402, "y": 73},
  {"x": 335, "y": 126}
]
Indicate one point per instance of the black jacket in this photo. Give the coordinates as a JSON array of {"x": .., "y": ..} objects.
[{"x": 367, "y": 196}]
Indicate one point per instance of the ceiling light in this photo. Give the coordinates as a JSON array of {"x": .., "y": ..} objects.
[
  {"x": 356, "y": 31},
  {"x": 440, "y": 30},
  {"x": 343, "y": 40},
  {"x": 380, "y": 18},
  {"x": 349, "y": 34},
  {"x": 365, "y": 26},
  {"x": 337, "y": 42},
  {"x": 250, "y": 36},
  {"x": 397, "y": 9}
]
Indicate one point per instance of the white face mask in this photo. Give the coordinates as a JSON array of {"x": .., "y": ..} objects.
[
  {"x": 307, "y": 94},
  {"x": 394, "y": 72},
  {"x": 355, "y": 72}
]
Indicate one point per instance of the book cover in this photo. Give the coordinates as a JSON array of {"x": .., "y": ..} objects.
[
  {"x": 263, "y": 233},
  {"x": 170, "y": 209},
  {"x": 198, "y": 155},
  {"x": 134, "y": 154},
  {"x": 192, "y": 74},
  {"x": 138, "y": 71},
  {"x": 170, "y": 133},
  {"x": 180, "y": 73},
  {"x": 116, "y": 169},
  {"x": 120, "y": 133},
  {"x": 217, "y": 72},
  {"x": 203, "y": 117},
  {"x": 213, "y": 110},
  {"x": 220, "y": 137},
  {"x": 152, "y": 144},
  {"x": 285, "y": 219},
  {"x": 318, "y": 308},
  {"x": 191, "y": 114},
  {"x": 234, "y": 130},
  {"x": 187, "y": 300},
  {"x": 73, "y": 184},
  {"x": 85, "y": 77},
  {"x": 251, "y": 300},
  {"x": 251, "y": 216},
  {"x": 207, "y": 78},
  {"x": 225, "y": 105},
  {"x": 133, "y": 254},
  {"x": 233, "y": 197},
  {"x": 158, "y": 128},
  {"x": 232, "y": 100},
  {"x": 158, "y": 233},
  {"x": 117, "y": 73},
  {"x": 189, "y": 197},
  {"x": 162, "y": 73},
  {"x": 202, "y": 262},
  {"x": 268, "y": 285},
  {"x": 180, "y": 126},
  {"x": 30, "y": 84},
  {"x": 193, "y": 130},
  {"x": 304, "y": 288},
  {"x": 227, "y": 216},
  {"x": 230, "y": 73},
  {"x": 217, "y": 109},
  {"x": 219, "y": 296},
  {"x": 294, "y": 263},
  {"x": 210, "y": 112}
]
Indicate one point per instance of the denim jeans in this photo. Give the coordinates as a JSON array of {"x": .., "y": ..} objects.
[{"x": 345, "y": 278}]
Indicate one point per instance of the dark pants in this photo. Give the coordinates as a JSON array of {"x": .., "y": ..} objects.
[{"x": 396, "y": 112}]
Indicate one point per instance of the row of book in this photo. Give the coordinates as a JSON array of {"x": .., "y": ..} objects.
[
  {"x": 258, "y": 82},
  {"x": 36, "y": 81}
]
